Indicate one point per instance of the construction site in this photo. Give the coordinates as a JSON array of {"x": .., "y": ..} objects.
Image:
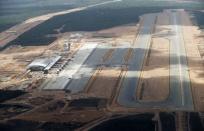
[{"x": 150, "y": 72}]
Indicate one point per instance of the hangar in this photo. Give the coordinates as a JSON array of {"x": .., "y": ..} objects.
[{"x": 43, "y": 64}]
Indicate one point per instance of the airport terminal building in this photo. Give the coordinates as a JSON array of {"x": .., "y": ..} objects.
[{"x": 43, "y": 64}]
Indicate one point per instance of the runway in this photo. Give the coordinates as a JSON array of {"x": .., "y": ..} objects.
[
  {"x": 86, "y": 62},
  {"x": 180, "y": 97}
]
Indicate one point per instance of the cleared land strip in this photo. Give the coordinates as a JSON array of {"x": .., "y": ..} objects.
[{"x": 15, "y": 31}]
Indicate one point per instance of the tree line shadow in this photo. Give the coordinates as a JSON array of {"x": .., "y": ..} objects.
[{"x": 91, "y": 20}]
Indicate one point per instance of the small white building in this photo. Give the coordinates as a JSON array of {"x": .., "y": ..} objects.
[{"x": 43, "y": 64}]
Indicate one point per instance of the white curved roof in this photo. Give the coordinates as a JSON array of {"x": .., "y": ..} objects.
[
  {"x": 45, "y": 62},
  {"x": 40, "y": 63}
]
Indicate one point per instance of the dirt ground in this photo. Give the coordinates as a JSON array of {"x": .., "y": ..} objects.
[
  {"x": 154, "y": 81},
  {"x": 58, "y": 111},
  {"x": 14, "y": 60},
  {"x": 195, "y": 60},
  {"x": 104, "y": 82}
]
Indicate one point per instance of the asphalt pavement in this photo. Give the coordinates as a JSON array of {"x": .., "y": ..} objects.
[
  {"x": 180, "y": 97},
  {"x": 88, "y": 60}
]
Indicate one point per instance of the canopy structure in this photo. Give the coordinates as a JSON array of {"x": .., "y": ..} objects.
[{"x": 43, "y": 63}]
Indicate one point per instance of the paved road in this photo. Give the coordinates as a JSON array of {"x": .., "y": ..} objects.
[
  {"x": 179, "y": 74},
  {"x": 129, "y": 87},
  {"x": 81, "y": 78},
  {"x": 180, "y": 96}
]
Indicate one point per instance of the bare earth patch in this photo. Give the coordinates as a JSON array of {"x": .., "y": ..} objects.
[
  {"x": 104, "y": 82},
  {"x": 154, "y": 79}
]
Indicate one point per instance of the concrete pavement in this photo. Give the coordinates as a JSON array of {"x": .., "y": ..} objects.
[
  {"x": 60, "y": 82},
  {"x": 180, "y": 97}
]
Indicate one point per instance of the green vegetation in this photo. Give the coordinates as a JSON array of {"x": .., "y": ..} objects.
[
  {"x": 13, "y": 12},
  {"x": 98, "y": 18},
  {"x": 198, "y": 18}
]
